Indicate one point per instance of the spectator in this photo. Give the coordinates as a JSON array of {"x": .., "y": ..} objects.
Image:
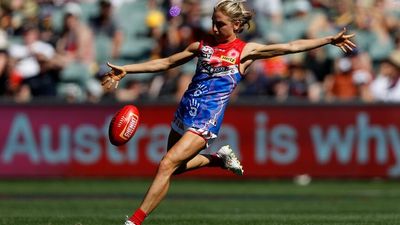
[
  {"x": 13, "y": 17},
  {"x": 320, "y": 60},
  {"x": 76, "y": 43},
  {"x": 36, "y": 62},
  {"x": 319, "y": 63},
  {"x": 47, "y": 27},
  {"x": 28, "y": 52},
  {"x": 269, "y": 18},
  {"x": 165, "y": 85},
  {"x": 45, "y": 83},
  {"x": 298, "y": 20},
  {"x": 372, "y": 31},
  {"x": 104, "y": 24},
  {"x": 132, "y": 91},
  {"x": 340, "y": 86},
  {"x": 256, "y": 83},
  {"x": 76, "y": 47},
  {"x": 300, "y": 81},
  {"x": 72, "y": 93},
  {"x": 362, "y": 72},
  {"x": 386, "y": 86},
  {"x": 94, "y": 91},
  {"x": 10, "y": 79},
  {"x": 11, "y": 85}
]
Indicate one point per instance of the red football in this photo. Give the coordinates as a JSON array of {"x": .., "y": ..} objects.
[{"x": 123, "y": 125}]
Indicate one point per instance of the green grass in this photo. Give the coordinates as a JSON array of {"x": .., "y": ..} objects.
[{"x": 203, "y": 202}]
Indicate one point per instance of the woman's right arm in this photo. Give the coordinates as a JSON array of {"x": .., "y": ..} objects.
[
  {"x": 112, "y": 78},
  {"x": 158, "y": 65}
]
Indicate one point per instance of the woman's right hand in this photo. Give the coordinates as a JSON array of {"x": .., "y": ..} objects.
[{"x": 112, "y": 78}]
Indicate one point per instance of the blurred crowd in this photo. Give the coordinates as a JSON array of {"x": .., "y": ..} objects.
[{"x": 58, "y": 49}]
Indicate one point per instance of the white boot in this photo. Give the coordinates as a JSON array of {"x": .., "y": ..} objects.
[
  {"x": 230, "y": 161},
  {"x": 128, "y": 222}
]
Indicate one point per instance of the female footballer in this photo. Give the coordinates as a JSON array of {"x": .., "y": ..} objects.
[{"x": 222, "y": 62}]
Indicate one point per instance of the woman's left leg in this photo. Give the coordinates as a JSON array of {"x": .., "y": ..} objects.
[
  {"x": 224, "y": 158},
  {"x": 198, "y": 161}
]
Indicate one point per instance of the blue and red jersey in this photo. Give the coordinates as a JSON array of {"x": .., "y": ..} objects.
[{"x": 202, "y": 107}]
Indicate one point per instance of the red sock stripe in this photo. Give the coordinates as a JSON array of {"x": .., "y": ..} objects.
[{"x": 138, "y": 217}]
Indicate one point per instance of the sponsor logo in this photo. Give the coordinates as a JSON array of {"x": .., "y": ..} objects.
[
  {"x": 130, "y": 127},
  {"x": 228, "y": 59}
]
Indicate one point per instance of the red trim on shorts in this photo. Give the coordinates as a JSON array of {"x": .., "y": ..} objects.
[{"x": 197, "y": 133}]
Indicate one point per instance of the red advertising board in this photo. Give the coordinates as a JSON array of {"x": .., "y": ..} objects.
[{"x": 271, "y": 141}]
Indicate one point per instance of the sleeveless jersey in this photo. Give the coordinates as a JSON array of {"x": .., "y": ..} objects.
[{"x": 202, "y": 107}]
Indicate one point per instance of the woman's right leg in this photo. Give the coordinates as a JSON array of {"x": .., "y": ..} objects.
[{"x": 184, "y": 149}]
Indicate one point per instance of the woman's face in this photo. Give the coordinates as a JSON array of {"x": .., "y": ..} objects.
[
  {"x": 71, "y": 21},
  {"x": 223, "y": 27}
]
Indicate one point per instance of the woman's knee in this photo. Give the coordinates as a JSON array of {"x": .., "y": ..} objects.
[{"x": 168, "y": 165}]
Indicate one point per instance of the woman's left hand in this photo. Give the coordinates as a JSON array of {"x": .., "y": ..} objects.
[{"x": 343, "y": 41}]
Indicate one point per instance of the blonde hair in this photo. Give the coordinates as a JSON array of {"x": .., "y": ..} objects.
[{"x": 237, "y": 11}]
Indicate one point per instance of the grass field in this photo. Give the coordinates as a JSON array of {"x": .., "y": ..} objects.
[{"x": 203, "y": 202}]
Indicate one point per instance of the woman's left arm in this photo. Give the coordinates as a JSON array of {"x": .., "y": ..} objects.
[{"x": 259, "y": 51}]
